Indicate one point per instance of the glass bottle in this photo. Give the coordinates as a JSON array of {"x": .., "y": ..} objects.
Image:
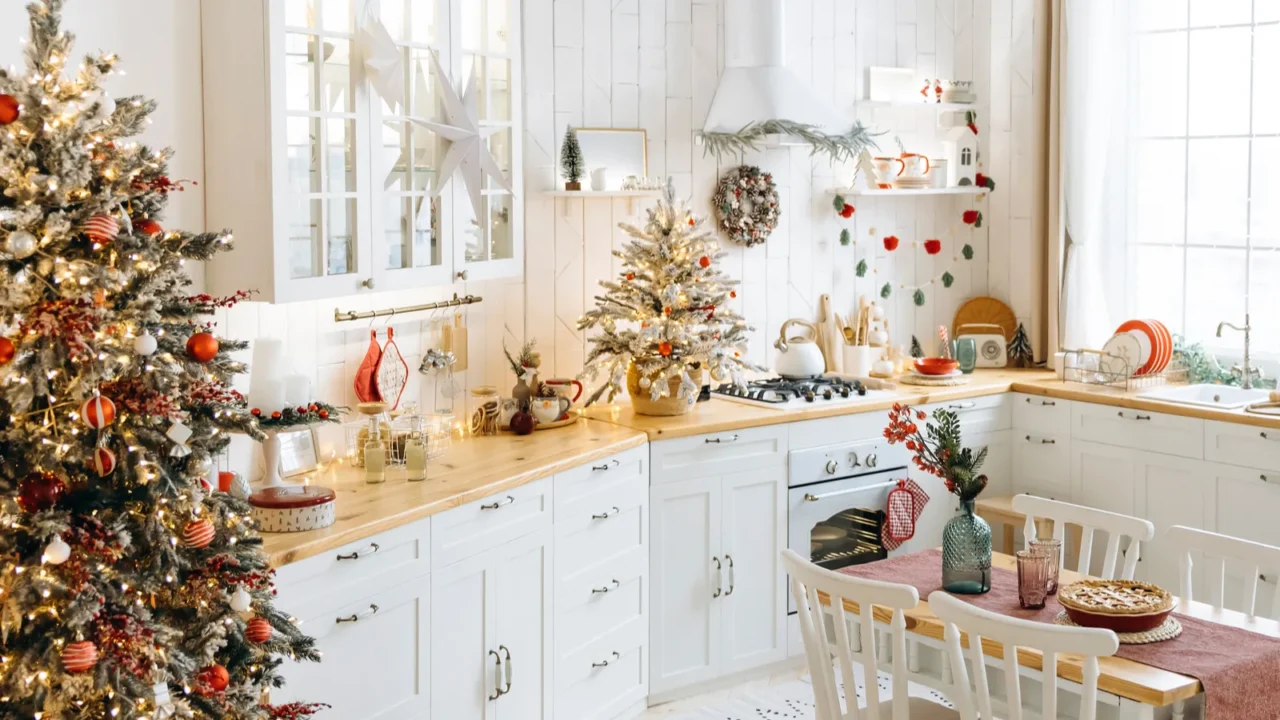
[{"x": 966, "y": 553}]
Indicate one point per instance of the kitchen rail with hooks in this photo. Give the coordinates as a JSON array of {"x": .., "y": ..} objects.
[{"x": 340, "y": 316}]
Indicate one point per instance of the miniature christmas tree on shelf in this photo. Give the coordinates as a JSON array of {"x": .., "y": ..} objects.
[
  {"x": 1020, "y": 353},
  {"x": 571, "y": 160},
  {"x": 666, "y": 318},
  {"x": 131, "y": 589}
]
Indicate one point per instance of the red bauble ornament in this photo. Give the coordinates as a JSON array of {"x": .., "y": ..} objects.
[
  {"x": 98, "y": 412},
  {"x": 255, "y": 412},
  {"x": 846, "y": 211},
  {"x": 198, "y": 534},
  {"x": 704, "y": 261},
  {"x": 733, "y": 293},
  {"x": 258, "y": 630},
  {"x": 691, "y": 221},
  {"x": 970, "y": 217},
  {"x": 202, "y": 347},
  {"x": 78, "y": 657},
  {"x": 147, "y": 226},
  {"x": 666, "y": 311},
  {"x": 214, "y": 678},
  {"x": 312, "y": 407},
  {"x": 324, "y": 414},
  {"x": 664, "y": 349},
  {"x": 522, "y": 423},
  {"x": 7, "y": 351},
  {"x": 101, "y": 228},
  {"x": 275, "y": 415},
  {"x": 104, "y": 461},
  {"x": 631, "y": 276},
  {"x": 40, "y": 491},
  {"x": 891, "y": 243},
  {"x": 933, "y": 247},
  {"x": 9, "y": 110}
]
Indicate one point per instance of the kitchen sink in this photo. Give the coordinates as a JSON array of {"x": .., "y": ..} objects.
[{"x": 1223, "y": 397}]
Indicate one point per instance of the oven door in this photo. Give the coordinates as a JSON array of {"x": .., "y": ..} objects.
[{"x": 836, "y": 523}]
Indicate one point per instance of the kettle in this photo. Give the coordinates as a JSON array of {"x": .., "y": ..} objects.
[{"x": 798, "y": 357}]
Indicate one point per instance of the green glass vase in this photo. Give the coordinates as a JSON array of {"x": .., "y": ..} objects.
[{"x": 966, "y": 553}]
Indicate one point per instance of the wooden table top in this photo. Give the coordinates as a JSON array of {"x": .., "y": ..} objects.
[
  {"x": 472, "y": 468},
  {"x": 1125, "y": 678}
]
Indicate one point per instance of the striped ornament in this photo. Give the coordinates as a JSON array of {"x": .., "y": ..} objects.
[
  {"x": 79, "y": 657},
  {"x": 258, "y": 630},
  {"x": 98, "y": 412},
  {"x": 198, "y": 534},
  {"x": 101, "y": 228},
  {"x": 104, "y": 461}
]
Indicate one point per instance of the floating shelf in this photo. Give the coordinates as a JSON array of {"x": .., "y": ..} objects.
[
  {"x": 966, "y": 190},
  {"x": 629, "y": 195},
  {"x": 913, "y": 104}
]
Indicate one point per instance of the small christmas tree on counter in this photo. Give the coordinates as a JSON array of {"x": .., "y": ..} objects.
[
  {"x": 571, "y": 160},
  {"x": 666, "y": 319},
  {"x": 1020, "y": 353},
  {"x": 131, "y": 589}
]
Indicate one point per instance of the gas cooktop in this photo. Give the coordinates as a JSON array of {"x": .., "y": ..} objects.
[{"x": 782, "y": 393}]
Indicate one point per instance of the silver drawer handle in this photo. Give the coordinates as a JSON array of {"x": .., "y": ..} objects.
[
  {"x": 606, "y": 514},
  {"x": 506, "y": 667},
  {"x": 357, "y": 617},
  {"x": 606, "y": 588},
  {"x": 719, "y": 578},
  {"x": 1043, "y": 403},
  {"x": 729, "y": 559},
  {"x": 373, "y": 548},
  {"x": 722, "y": 440},
  {"x": 607, "y": 466},
  {"x": 1135, "y": 417},
  {"x": 1043, "y": 441},
  {"x": 500, "y": 503},
  {"x": 497, "y": 675},
  {"x": 605, "y": 663},
  {"x": 962, "y": 405}
]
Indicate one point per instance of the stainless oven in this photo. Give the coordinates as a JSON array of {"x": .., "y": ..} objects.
[{"x": 837, "y": 499}]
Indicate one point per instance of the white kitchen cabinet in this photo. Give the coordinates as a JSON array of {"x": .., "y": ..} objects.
[
  {"x": 1247, "y": 505},
  {"x": 330, "y": 189},
  {"x": 1172, "y": 491},
  {"x": 491, "y": 625},
  {"x": 1138, "y": 429},
  {"x": 753, "y": 534}
]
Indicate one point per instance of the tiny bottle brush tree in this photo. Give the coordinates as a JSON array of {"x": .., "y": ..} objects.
[
  {"x": 1020, "y": 353},
  {"x": 131, "y": 589},
  {"x": 667, "y": 317},
  {"x": 571, "y": 160}
]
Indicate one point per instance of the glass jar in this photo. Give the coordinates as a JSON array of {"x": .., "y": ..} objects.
[
  {"x": 484, "y": 410},
  {"x": 966, "y": 553}
]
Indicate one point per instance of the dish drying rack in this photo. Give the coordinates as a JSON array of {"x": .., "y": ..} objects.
[{"x": 1096, "y": 367}]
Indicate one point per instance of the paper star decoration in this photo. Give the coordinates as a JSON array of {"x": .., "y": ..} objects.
[
  {"x": 468, "y": 152},
  {"x": 383, "y": 61}
]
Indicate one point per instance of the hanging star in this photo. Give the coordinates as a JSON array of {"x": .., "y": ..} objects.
[
  {"x": 468, "y": 152},
  {"x": 383, "y": 61}
]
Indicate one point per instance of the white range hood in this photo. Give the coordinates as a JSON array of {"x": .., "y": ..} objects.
[{"x": 755, "y": 86}]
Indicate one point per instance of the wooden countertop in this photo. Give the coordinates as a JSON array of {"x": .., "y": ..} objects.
[
  {"x": 723, "y": 415},
  {"x": 472, "y": 468}
]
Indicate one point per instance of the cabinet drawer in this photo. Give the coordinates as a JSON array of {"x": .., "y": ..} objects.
[
  {"x": 599, "y": 601},
  {"x": 1242, "y": 445},
  {"x": 1042, "y": 460},
  {"x": 979, "y": 414},
  {"x": 587, "y": 488},
  {"x": 718, "y": 453},
  {"x": 1138, "y": 429},
  {"x": 588, "y": 689},
  {"x": 596, "y": 533},
  {"x": 478, "y": 526},
  {"x": 1036, "y": 414},
  {"x": 355, "y": 570}
]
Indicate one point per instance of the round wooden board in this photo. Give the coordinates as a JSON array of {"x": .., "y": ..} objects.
[{"x": 986, "y": 311}]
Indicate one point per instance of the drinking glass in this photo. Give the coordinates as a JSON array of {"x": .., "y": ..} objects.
[
  {"x": 965, "y": 351},
  {"x": 1051, "y": 548},
  {"x": 1033, "y": 571}
]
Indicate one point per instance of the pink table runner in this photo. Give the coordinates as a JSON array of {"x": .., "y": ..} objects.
[{"x": 1240, "y": 670}]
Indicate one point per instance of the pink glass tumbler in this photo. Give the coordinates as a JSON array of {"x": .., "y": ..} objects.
[
  {"x": 1033, "y": 575},
  {"x": 1051, "y": 548}
]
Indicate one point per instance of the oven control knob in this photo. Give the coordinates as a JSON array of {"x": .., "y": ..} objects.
[
  {"x": 832, "y": 466},
  {"x": 853, "y": 459},
  {"x": 871, "y": 460}
]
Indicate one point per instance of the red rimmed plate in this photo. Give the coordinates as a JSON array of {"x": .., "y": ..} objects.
[
  {"x": 1167, "y": 340},
  {"x": 1157, "y": 344}
]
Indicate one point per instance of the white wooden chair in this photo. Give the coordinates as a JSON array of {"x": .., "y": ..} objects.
[
  {"x": 1089, "y": 520},
  {"x": 807, "y": 580},
  {"x": 1013, "y": 633},
  {"x": 1218, "y": 549}
]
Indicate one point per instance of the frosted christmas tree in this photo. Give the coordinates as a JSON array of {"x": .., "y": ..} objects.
[
  {"x": 666, "y": 319},
  {"x": 130, "y": 588}
]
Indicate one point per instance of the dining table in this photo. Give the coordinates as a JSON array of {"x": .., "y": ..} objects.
[{"x": 1134, "y": 691}]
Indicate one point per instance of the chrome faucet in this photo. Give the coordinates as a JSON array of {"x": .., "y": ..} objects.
[{"x": 1246, "y": 372}]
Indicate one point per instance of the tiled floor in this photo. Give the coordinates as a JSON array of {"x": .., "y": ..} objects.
[{"x": 661, "y": 712}]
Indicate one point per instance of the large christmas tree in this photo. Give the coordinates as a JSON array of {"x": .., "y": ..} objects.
[
  {"x": 668, "y": 312},
  {"x": 128, "y": 587}
]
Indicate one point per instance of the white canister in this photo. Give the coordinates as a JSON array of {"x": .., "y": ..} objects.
[
  {"x": 858, "y": 360},
  {"x": 293, "y": 508},
  {"x": 599, "y": 178},
  {"x": 938, "y": 174}
]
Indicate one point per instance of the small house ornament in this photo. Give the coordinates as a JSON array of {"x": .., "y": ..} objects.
[{"x": 961, "y": 151}]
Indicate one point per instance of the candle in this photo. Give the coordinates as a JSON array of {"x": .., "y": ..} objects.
[
  {"x": 297, "y": 391},
  {"x": 375, "y": 463},
  {"x": 415, "y": 456},
  {"x": 266, "y": 370}
]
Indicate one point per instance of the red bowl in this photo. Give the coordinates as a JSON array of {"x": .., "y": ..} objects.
[
  {"x": 936, "y": 366},
  {"x": 1119, "y": 623}
]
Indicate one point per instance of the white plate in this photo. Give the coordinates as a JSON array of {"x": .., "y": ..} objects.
[
  {"x": 1144, "y": 345},
  {"x": 1122, "y": 355}
]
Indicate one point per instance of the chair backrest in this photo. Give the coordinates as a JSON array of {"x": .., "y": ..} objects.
[
  {"x": 1217, "y": 549},
  {"x": 1010, "y": 634},
  {"x": 1089, "y": 520},
  {"x": 807, "y": 581}
]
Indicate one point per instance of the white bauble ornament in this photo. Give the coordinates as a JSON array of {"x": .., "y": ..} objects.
[
  {"x": 21, "y": 244},
  {"x": 645, "y": 383},
  {"x": 145, "y": 344},
  {"x": 241, "y": 601},
  {"x": 201, "y": 466},
  {"x": 240, "y": 487},
  {"x": 57, "y": 551},
  {"x": 106, "y": 109}
]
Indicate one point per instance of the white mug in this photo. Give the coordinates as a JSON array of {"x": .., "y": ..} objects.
[
  {"x": 598, "y": 178},
  {"x": 549, "y": 409}
]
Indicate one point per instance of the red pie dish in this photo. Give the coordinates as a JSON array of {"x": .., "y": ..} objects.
[
  {"x": 936, "y": 366},
  {"x": 1125, "y": 606}
]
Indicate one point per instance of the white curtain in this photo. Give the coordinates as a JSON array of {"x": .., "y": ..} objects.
[{"x": 1096, "y": 100}]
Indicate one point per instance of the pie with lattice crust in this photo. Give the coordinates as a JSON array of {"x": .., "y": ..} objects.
[{"x": 1119, "y": 598}]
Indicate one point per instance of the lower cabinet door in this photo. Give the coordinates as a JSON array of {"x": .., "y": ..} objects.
[
  {"x": 522, "y": 620},
  {"x": 1175, "y": 491},
  {"x": 464, "y": 659},
  {"x": 754, "y": 533},
  {"x": 376, "y": 658}
]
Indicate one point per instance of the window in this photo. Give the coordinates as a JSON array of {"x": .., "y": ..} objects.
[
  {"x": 966, "y": 156},
  {"x": 1203, "y": 211}
]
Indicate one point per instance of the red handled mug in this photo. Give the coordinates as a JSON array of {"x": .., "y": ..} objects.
[{"x": 562, "y": 387}]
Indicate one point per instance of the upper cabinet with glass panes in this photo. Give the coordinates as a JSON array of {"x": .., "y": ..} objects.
[{"x": 333, "y": 189}]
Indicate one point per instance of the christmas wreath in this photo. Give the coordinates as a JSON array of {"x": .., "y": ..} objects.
[{"x": 746, "y": 202}]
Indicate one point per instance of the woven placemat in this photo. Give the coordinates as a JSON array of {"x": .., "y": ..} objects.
[
  {"x": 934, "y": 380},
  {"x": 1168, "y": 630}
]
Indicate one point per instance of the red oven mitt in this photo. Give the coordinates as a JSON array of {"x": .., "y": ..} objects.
[
  {"x": 367, "y": 373},
  {"x": 906, "y": 502},
  {"x": 392, "y": 373}
]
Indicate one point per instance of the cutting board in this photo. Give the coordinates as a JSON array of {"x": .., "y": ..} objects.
[{"x": 988, "y": 311}]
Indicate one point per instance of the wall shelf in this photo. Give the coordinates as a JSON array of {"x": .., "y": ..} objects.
[
  {"x": 629, "y": 195},
  {"x": 912, "y": 104},
  {"x": 966, "y": 190}
]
